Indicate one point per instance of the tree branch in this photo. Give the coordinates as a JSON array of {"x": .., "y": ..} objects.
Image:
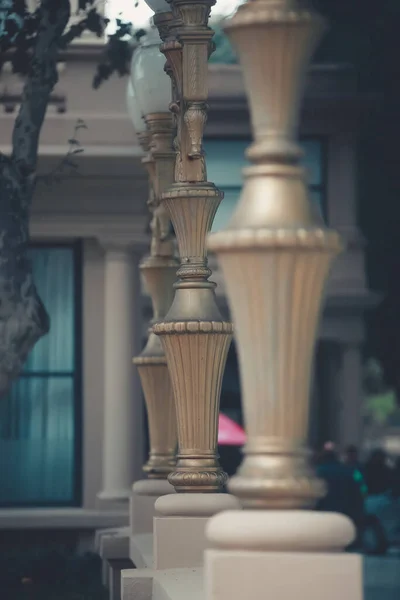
[
  {"x": 67, "y": 161},
  {"x": 42, "y": 77}
]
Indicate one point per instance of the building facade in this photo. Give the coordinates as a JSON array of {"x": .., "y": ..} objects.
[{"x": 73, "y": 427}]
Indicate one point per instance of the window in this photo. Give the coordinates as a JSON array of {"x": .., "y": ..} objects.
[
  {"x": 40, "y": 419},
  {"x": 314, "y": 162},
  {"x": 226, "y": 159}
]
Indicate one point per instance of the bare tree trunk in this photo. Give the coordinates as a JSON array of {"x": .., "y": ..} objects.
[{"x": 23, "y": 317}]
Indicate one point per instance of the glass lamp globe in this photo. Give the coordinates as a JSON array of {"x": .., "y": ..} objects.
[
  {"x": 134, "y": 111},
  {"x": 151, "y": 84},
  {"x": 159, "y": 6}
]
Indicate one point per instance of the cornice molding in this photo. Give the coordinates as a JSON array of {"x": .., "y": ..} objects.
[
  {"x": 123, "y": 244},
  {"x": 108, "y": 229}
]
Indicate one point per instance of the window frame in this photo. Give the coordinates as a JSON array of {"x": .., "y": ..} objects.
[
  {"x": 77, "y": 375},
  {"x": 323, "y": 187}
]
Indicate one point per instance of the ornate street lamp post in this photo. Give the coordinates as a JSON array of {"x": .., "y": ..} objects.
[
  {"x": 195, "y": 337},
  {"x": 275, "y": 258},
  {"x": 148, "y": 98},
  {"x": 152, "y": 93}
]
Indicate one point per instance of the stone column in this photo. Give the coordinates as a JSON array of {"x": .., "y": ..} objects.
[
  {"x": 123, "y": 410},
  {"x": 351, "y": 396}
]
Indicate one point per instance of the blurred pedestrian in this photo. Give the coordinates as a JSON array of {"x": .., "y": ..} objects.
[
  {"x": 343, "y": 493},
  {"x": 351, "y": 457},
  {"x": 378, "y": 474}
]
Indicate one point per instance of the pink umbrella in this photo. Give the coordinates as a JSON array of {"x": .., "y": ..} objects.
[{"x": 230, "y": 433}]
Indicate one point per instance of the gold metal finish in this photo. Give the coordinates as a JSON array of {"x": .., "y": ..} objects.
[
  {"x": 275, "y": 258},
  {"x": 195, "y": 337},
  {"x": 159, "y": 273}
]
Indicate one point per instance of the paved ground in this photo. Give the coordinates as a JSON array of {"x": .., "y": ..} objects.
[
  {"x": 382, "y": 578},
  {"x": 51, "y": 576}
]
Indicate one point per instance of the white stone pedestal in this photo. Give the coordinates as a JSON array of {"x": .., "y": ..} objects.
[
  {"x": 285, "y": 554},
  {"x": 114, "y": 551},
  {"x": 126, "y": 545},
  {"x": 143, "y": 498},
  {"x": 113, "y": 546},
  {"x": 179, "y": 527}
]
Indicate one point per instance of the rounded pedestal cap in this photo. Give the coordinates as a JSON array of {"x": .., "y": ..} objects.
[
  {"x": 280, "y": 531},
  {"x": 195, "y": 505}
]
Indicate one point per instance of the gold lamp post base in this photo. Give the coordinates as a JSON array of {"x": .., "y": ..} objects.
[
  {"x": 275, "y": 479},
  {"x": 197, "y": 350}
]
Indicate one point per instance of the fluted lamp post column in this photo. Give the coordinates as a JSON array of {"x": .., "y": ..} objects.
[
  {"x": 195, "y": 337},
  {"x": 275, "y": 259},
  {"x": 149, "y": 95}
]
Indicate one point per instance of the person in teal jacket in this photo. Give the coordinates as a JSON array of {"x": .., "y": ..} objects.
[{"x": 352, "y": 461}]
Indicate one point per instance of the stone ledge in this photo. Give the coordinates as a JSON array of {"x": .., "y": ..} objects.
[
  {"x": 61, "y": 518},
  {"x": 71, "y": 225},
  {"x": 178, "y": 584}
]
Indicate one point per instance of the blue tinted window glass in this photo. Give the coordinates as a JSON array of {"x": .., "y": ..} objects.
[
  {"x": 312, "y": 161},
  {"x": 53, "y": 270},
  {"x": 225, "y": 161},
  {"x": 318, "y": 204},
  {"x": 226, "y": 208},
  {"x": 37, "y": 442},
  {"x": 38, "y": 417}
]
